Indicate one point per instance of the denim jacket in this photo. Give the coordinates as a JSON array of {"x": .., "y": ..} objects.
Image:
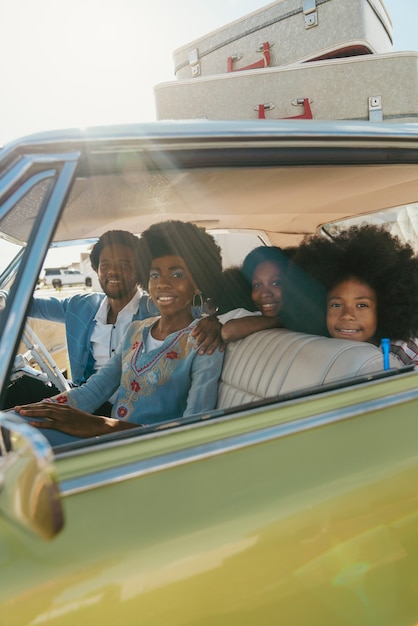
[{"x": 77, "y": 313}]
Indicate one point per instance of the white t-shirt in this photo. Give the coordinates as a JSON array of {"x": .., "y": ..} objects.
[
  {"x": 106, "y": 337},
  {"x": 151, "y": 343},
  {"x": 236, "y": 314}
]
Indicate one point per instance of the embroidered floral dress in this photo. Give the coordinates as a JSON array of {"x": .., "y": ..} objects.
[{"x": 165, "y": 383}]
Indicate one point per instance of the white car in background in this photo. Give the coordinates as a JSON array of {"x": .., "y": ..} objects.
[{"x": 65, "y": 277}]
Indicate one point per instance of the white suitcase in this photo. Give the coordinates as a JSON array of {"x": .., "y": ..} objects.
[
  {"x": 288, "y": 31},
  {"x": 380, "y": 87}
]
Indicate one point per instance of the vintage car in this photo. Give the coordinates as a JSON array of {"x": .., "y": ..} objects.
[{"x": 295, "y": 501}]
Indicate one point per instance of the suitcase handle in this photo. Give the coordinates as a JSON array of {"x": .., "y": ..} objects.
[
  {"x": 264, "y": 62},
  {"x": 306, "y": 115}
]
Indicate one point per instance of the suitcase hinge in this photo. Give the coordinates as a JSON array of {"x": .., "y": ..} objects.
[
  {"x": 194, "y": 62},
  {"x": 264, "y": 62},
  {"x": 375, "y": 109},
  {"x": 268, "y": 106},
  {"x": 310, "y": 13}
]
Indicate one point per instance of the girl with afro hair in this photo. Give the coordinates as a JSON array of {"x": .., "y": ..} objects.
[{"x": 367, "y": 286}]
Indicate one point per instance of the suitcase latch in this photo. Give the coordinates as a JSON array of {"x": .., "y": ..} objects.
[
  {"x": 311, "y": 13},
  {"x": 264, "y": 48},
  {"x": 269, "y": 106},
  {"x": 375, "y": 109},
  {"x": 194, "y": 62}
]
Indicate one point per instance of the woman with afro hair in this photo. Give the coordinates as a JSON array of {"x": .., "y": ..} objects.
[
  {"x": 256, "y": 289},
  {"x": 366, "y": 286}
]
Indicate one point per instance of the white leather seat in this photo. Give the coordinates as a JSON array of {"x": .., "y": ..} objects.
[{"x": 274, "y": 362}]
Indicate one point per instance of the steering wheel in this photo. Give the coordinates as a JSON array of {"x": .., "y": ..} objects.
[
  {"x": 49, "y": 370},
  {"x": 38, "y": 352}
]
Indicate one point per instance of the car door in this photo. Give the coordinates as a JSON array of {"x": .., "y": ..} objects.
[{"x": 300, "y": 509}]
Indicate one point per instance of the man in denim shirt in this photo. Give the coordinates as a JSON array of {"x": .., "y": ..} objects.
[{"x": 96, "y": 322}]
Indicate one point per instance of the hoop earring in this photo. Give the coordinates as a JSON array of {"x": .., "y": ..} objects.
[
  {"x": 200, "y": 307},
  {"x": 155, "y": 311}
]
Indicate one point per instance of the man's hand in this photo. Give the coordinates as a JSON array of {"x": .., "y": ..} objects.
[{"x": 208, "y": 335}]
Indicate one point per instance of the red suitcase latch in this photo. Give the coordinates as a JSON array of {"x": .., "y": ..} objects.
[
  {"x": 264, "y": 62},
  {"x": 306, "y": 115}
]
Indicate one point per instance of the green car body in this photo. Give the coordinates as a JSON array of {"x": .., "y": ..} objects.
[{"x": 300, "y": 509}]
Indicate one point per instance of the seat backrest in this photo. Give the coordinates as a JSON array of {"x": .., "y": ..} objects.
[{"x": 274, "y": 362}]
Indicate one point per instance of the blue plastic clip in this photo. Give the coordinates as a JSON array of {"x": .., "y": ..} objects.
[{"x": 385, "y": 346}]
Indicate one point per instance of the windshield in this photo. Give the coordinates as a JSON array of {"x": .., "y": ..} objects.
[
  {"x": 9, "y": 251},
  {"x": 18, "y": 217}
]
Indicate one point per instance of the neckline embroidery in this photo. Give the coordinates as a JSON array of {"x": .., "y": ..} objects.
[{"x": 159, "y": 351}]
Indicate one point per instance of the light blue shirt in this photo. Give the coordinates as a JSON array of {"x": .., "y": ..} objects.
[{"x": 168, "y": 382}]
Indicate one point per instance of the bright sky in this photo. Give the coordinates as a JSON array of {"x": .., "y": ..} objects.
[{"x": 91, "y": 62}]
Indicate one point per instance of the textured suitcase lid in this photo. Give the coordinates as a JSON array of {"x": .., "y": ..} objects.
[{"x": 262, "y": 18}]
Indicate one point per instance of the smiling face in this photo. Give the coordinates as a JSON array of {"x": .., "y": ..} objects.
[
  {"x": 266, "y": 288},
  {"x": 116, "y": 272},
  {"x": 352, "y": 311},
  {"x": 172, "y": 288}
]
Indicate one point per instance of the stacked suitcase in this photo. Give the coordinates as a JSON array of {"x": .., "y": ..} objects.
[{"x": 320, "y": 59}]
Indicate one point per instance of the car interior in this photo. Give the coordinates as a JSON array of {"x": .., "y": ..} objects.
[{"x": 277, "y": 201}]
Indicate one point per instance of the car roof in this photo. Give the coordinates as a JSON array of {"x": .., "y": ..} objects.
[
  {"x": 285, "y": 177},
  {"x": 209, "y": 129}
]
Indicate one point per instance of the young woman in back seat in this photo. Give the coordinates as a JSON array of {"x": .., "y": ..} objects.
[
  {"x": 371, "y": 283},
  {"x": 256, "y": 288}
]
